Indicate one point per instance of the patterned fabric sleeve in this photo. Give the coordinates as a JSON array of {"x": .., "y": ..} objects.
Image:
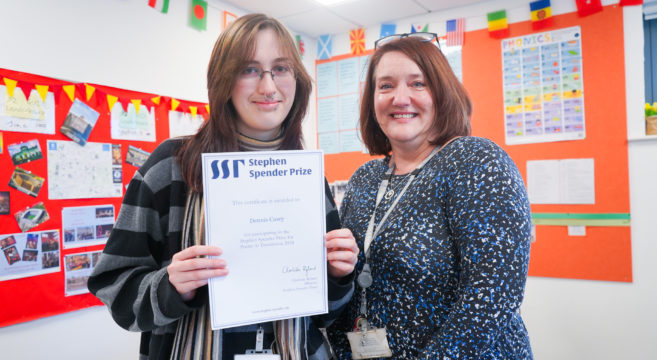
[
  {"x": 489, "y": 217},
  {"x": 131, "y": 277}
]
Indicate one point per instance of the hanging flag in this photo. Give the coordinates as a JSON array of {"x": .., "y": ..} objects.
[
  {"x": 325, "y": 47},
  {"x": 387, "y": 30},
  {"x": 588, "y": 7},
  {"x": 11, "y": 85},
  {"x": 111, "y": 100},
  {"x": 199, "y": 14},
  {"x": 174, "y": 104},
  {"x": 455, "y": 31},
  {"x": 357, "y": 41},
  {"x": 89, "y": 90},
  {"x": 42, "y": 90},
  {"x": 497, "y": 25},
  {"x": 630, "y": 2},
  {"x": 160, "y": 5},
  {"x": 70, "y": 91},
  {"x": 300, "y": 45},
  {"x": 541, "y": 14},
  {"x": 419, "y": 28}
]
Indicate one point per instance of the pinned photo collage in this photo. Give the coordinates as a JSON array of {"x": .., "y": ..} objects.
[
  {"x": 29, "y": 254},
  {"x": 87, "y": 225},
  {"x": 77, "y": 269}
]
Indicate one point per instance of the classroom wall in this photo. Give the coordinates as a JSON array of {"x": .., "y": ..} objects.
[{"x": 125, "y": 44}]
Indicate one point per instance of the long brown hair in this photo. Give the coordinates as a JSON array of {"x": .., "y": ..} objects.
[
  {"x": 451, "y": 101},
  {"x": 234, "y": 48}
]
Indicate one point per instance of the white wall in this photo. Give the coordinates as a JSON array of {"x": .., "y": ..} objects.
[{"x": 125, "y": 44}]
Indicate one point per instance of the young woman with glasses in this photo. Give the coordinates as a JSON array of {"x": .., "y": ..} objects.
[
  {"x": 442, "y": 221},
  {"x": 154, "y": 269}
]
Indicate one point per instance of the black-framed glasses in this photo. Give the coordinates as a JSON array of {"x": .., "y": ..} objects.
[{"x": 423, "y": 36}]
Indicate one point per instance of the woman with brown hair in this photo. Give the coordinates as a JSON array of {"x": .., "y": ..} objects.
[
  {"x": 443, "y": 220},
  {"x": 154, "y": 269}
]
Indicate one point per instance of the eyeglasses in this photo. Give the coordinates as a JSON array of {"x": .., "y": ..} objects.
[
  {"x": 423, "y": 36},
  {"x": 281, "y": 74}
]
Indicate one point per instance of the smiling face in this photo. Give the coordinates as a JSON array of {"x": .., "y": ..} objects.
[
  {"x": 262, "y": 104},
  {"x": 403, "y": 104}
]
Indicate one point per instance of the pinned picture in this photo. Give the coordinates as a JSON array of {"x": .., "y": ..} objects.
[
  {"x": 79, "y": 122},
  {"x": 49, "y": 241},
  {"x": 4, "y": 202},
  {"x": 12, "y": 255},
  {"x": 32, "y": 241},
  {"x": 24, "y": 181},
  {"x": 30, "y": 255},
  {"x": 24, "y": 152},
  {"x": 136, "y": 156},
  {"x": 32, "y": 216},
  {"x": 7, "y": 241}
]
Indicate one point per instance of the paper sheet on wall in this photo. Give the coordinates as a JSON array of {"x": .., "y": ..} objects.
[
  {"x": 87, "y": 225},
  {"x": 543, "y": 87},
  {"x": 29, "y": 254},
  {"x": 32, "y": 115},
  {"x": 183, "y": 124},
  {"x": 132, "y": 125},
  {"x": 76, "y": 172},
  {"x": 568, "y": 181}
]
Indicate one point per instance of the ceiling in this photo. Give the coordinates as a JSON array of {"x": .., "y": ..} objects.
[{"x": 310, "y": 18}]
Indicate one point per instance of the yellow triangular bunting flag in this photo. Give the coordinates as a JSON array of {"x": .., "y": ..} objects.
[
  {"x": 174, "y": 104},
  {"x": 156, "y": 100},
  {"x": 193, "y": 110},
  {"x": 11, "y": 85},
  {"x": 207, "y": 107},
  {"x": 70, "y": 91},
  {"x": 90, "y": 91},
  {"x": 111, "y": 100},
  {"x": 42, "y": 90},
  {"x": 136, "y": 103}
]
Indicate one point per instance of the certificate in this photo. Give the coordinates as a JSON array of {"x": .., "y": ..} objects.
[{"x": 266, "y": 211}]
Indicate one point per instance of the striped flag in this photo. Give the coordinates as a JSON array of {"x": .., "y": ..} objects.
[
  {"x": 497, "y": 25},
  {"x": 541, "y": 14},
  {"x": 455, "y": 31},
  {"x": 588, "y": 7},
  {"x": 160, "y": 5}
]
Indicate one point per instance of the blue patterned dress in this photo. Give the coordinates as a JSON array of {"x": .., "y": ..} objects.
[{"x": 450, "y": 264}]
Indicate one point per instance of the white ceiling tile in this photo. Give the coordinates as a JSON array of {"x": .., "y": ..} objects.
[
  {"x": 317, "y": 22},
  {"x": 373, "y": 12}
]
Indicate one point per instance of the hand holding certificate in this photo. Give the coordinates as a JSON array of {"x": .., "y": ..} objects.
[{"x": 265, "y": 210}]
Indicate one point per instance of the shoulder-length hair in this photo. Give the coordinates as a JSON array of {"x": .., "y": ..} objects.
[
  {"x": 234, "y": 48},
  {"x": 451, "y": 101}
]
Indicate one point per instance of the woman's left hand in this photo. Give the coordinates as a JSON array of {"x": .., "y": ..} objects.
[{"x": 341, "y": 252}]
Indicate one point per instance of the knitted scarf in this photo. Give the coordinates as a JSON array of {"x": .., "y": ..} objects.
[{"x": 194, "y": 338}]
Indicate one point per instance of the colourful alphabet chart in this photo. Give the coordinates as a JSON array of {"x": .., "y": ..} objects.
[{"x": 543, "y": 87}]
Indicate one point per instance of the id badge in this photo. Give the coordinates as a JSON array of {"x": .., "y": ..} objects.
[{"x": 369, "y": 344}]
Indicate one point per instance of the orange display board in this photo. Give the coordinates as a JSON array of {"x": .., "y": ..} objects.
[
  {"x": 34, "y": 297},
  {"x": 604, "y": 253}
]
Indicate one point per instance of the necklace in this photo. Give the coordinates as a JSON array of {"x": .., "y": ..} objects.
[{"x": 392, "y": 190}]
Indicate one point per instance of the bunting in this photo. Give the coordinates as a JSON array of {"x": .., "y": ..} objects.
[
  {"x": 419, "y": 28},
  {"x": 70, "y": 91},
  {"x": 588, "y": 7},
  {"x": 455, "y": 32},
  {"x": 159, "y": 5},
  {"x": 357, "y": 41},
  {"x": 174, "y": 104},
  {"x": 42, "y": 90},
  {"x": 541, "y": 14},
  {"x": 324, "y": 47},
  {"x": 199, "y": 15},
  {"x": 497, "y": 25},
  {"x": 11, "y": 86},
  {"x": 630, "y": 2},
  {"x": 111, "y": 100},
  {"x": 387, "y": 30},
  {"x": 300, "y": 45},
  {"x": 89, "y": 91}
]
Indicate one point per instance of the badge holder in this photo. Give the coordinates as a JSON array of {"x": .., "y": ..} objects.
[{"x": 258, "y": 353}]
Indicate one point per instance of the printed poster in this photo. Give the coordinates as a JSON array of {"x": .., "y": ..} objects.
[
  {"x": 87, "y": 225},
  {"x": 77, "y": 269},
  {"x": 543, "y": 87},
  {"x": 76, "y": 172},
  {"x": 31, "y": 115},
  {"x": 132, "y": 125},
  {"x": 29, "y": 254}
]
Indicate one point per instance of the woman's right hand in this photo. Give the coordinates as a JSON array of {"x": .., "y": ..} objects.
[{"x": 191, "y": 268}]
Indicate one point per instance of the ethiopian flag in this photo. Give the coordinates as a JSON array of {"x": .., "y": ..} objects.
[
  {"x": 541, "y": 14},
  {"x": 199, "y": 14},
  {"x": 497, "y": 25},
  {"x": 357, "y": 41}
]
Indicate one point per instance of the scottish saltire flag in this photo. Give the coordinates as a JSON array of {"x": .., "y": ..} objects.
[
  {"x": 387, "y": 30},
  {"x": 541, "y": 14},
  {"x": 419, "y": 28},
  {"x": 455, "y": 32},
  {"x": 324, "y": 47}
]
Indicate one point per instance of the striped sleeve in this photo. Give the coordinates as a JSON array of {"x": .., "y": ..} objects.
[{"x": 131, "y": 277}]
